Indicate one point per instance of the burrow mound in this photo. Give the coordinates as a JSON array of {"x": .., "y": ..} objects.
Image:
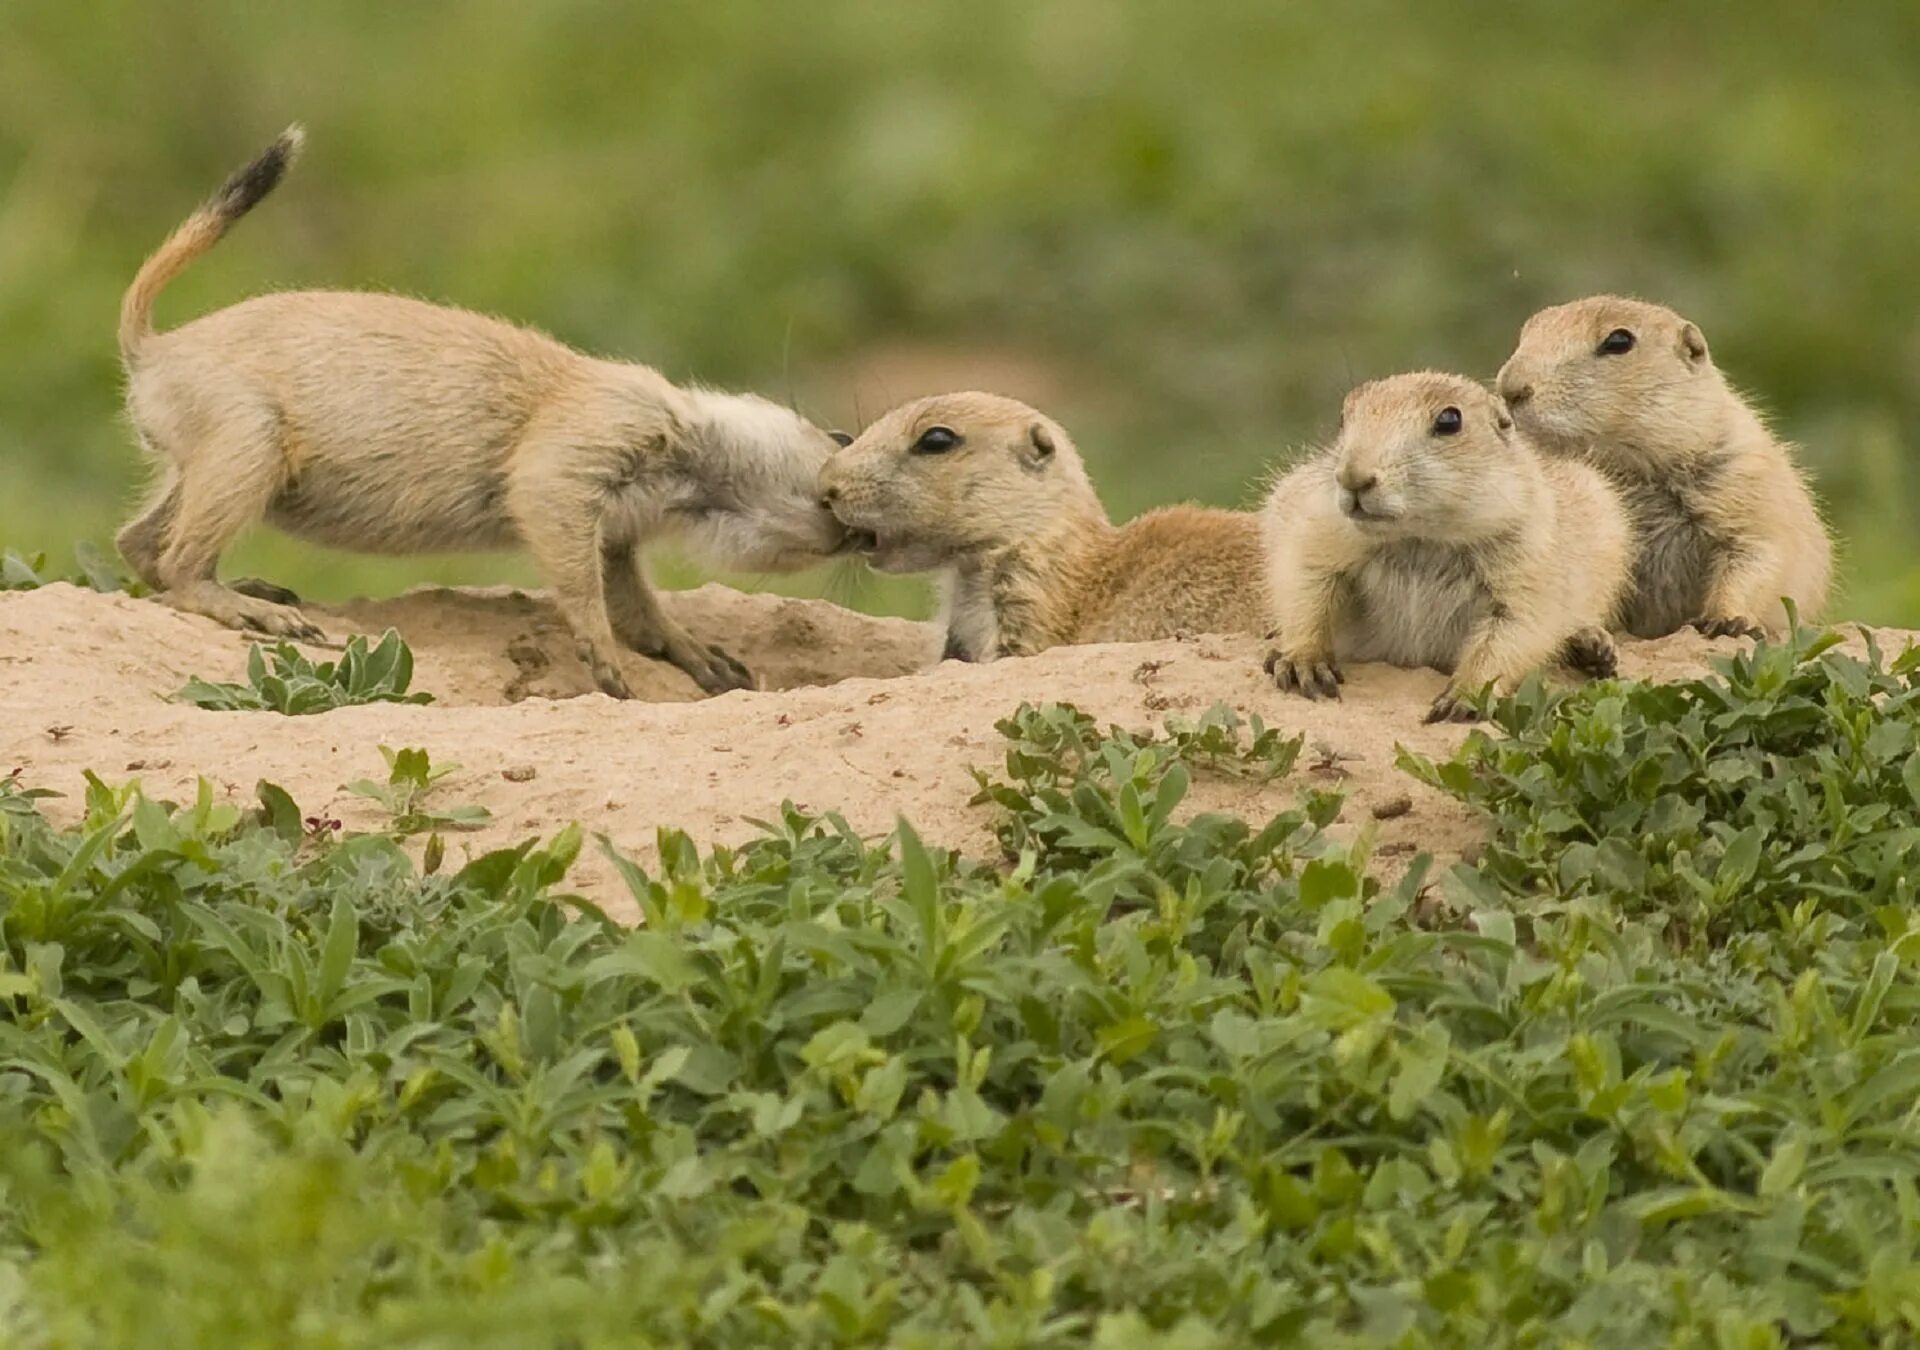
[{"x": 855, "y": 717}]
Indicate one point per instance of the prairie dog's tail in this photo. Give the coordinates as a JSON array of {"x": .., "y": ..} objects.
[{"x": 200, "y": 232}]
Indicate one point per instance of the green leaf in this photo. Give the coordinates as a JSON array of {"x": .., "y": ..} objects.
[
  {"x": 342, "y": 944},
  {"x": 1422, "y": 1065},
  {"x": 1127, "y": 1039},
  {"x": 1339, "y": 997}
]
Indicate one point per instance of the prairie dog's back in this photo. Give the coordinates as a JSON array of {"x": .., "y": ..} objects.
[
  {"x": 394, "y": 420},
  {"x": 353, "y": 375},
  {"x": 1180, "y": 569}
]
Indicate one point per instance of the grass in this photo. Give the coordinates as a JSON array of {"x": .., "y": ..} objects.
[{"x": 1640, "y": 1076}]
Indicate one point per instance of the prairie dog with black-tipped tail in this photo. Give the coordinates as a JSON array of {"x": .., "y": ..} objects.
[
  {"x": 390, "y": 425},
  {"x": 1431, "y": 534},
  {"x": 1724, "y": 522},
  {"x": 993, "y": 494}
]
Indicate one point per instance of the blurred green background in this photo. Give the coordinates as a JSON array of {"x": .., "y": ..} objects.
[{"x": 1186, "y": 229}]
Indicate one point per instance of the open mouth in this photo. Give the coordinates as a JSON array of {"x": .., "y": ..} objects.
[{"x": 860, "y": 541}]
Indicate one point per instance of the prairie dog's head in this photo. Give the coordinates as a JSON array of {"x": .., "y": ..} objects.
[
  {"x": 940, "y": 479},
  {"x": 1429, "y": 456},
  {"x": 759, "y": 464},
  {"x": 1616, "y": 376}
]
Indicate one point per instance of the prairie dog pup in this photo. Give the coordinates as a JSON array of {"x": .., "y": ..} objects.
[
  {"x": 993, "y": 494},
  {"x": 380, "y": 423},
  {"x": 1431, "y": 534},
  {"x": 1724, "y": 522}
]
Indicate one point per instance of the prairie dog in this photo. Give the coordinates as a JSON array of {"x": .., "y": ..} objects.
[
  {"x": 390, "y": 425},
  {"x": 1725, "y": 525},
  {"x": 1431, "y": 534},
  {"x": 994, "y": 495}
]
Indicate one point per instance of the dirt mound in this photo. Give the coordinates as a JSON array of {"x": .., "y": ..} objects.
[{"x": 841, "y": 725}]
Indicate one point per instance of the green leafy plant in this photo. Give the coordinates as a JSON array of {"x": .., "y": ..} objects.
[
  {"x": 1786, "y": 782},
  {"x": 1154, "y": 1078},
  {"x": 410, "y": 777},
  {"x": 93, "y": 570},
  {"x": 281, "y": 679}
]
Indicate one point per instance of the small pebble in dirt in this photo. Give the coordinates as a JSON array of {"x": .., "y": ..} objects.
[
  {"x": 519, "y": 773},
  {"x": 880, "y": 697},
  {"x": 1392, "y": 808}
]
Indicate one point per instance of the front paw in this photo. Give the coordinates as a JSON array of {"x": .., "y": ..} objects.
[
  {"x": 1452, "y": 706},
  {"x": 1591, "y": 652},
  {"x": 609, "y": 680},
  {"x": 1312, "y": 676},
  {"x": 713, "y": 669},
  {"x": 1730, "y": 625}
]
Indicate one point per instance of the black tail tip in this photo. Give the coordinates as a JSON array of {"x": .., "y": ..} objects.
[{"x": 242, "y": 192}]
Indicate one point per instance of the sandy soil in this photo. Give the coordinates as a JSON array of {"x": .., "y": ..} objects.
[{"x": 842, "y": 723}]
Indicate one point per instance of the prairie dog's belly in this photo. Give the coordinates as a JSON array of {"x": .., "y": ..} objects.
[
  {"x": 376, "y": 505},
  {"x": 1673, "y": 561},
  {"x": 1410, "y": 604}
]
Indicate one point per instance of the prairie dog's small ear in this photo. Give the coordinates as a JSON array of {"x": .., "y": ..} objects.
[
  {"x": 1693, "y": 344},
  {"x": 1039, "y": 444}
]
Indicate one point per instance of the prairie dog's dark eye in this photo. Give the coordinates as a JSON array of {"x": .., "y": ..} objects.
[
  {"x": 1447, "y": 423},
  {"x": 936, "y": 441},
  {"x": 839, "y": 438},
  {"x": 1617, "y": 343}
]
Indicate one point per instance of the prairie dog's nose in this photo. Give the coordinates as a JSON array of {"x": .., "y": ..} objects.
[
  {"x": 1357, "y": 481},
  {"x": 829, "y": 496},
  {"x": 1512, "y": 388}
]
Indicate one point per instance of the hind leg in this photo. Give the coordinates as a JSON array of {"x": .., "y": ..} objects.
[
  {"x": 225, "y": 490},
  {"x": 143, "y": 539}
]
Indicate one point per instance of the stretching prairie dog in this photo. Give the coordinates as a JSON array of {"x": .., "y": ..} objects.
[
  {"x": 1724, "y": 521},
  {"x": 390, "y": 425},
  {"x": 1431, "y": 534},
  {"x": 993, "y": 494}
]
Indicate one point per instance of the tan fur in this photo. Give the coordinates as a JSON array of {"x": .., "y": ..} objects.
[
  {"x": 1467, "y": 552},
  {"x": 386, "y": 424},
  {"x": 1725, "y": 524},
  {"x": 1031, "y": 559}
]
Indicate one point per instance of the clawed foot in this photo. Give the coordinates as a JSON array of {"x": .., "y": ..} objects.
[
  {"x": 265, "y": 590},
  {"x": 1731, "y": 625},
  {"x": 711, "y": 668},
  {"x": 1591, "y": 652},
  {"x": 1452, "y": 706},
  {"x": 606, "y": 672},
  {"x": 1314, "y": 677},
  {"x": 244, "y": 612}
]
